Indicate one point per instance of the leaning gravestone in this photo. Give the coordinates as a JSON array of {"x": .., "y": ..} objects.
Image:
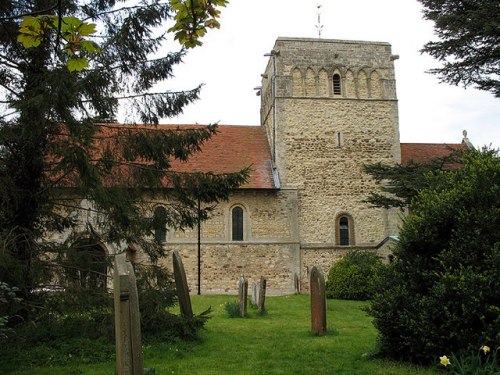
[
  {"x": 262, "y": 294},
  {"x": 243, "y": 294},
  {"x": 255, "y": 293},
  {"x": 129, "y": 357},
  {"x": 182, "y": 286},
  {"x": 318, "y": 301}
]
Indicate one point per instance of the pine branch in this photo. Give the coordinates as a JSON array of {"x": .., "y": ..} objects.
[{"x": 33, "y": 13}]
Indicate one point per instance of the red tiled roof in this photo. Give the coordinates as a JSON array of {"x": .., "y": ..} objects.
[
  {"x": 232, "y": 149},
  {"x": 425, "y": 152}
]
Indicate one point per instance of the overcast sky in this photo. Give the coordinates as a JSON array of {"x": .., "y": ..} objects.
[{"x": 231, "y": 60}]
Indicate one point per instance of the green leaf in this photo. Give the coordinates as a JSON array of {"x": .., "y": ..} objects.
[
  {"x": 77, "y": 64},
  {"x": 28, "y": 41},
  {"x": 90, "y": 47},
  {"x": 86, "y": 29}
]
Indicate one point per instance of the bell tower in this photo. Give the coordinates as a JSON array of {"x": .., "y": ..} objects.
[{"x": 328, "y": 107}]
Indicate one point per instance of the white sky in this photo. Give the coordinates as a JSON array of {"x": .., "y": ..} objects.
[{"x": 231, "y": 60}]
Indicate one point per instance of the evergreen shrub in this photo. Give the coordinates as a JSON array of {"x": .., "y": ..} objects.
[
  {"x": 442, "y": 292},
  {"x": 354, "y": 276}
]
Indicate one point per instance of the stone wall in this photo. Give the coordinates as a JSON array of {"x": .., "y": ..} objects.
[{"x": 222, "y": 265}]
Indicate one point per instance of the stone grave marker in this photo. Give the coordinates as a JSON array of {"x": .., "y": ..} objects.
[
  {"x": 182, "y": 286},
  {"x": 255, "y": 293},
  {"x": 296, "y": 283},
  {"x": 129, "y": 356},
  {"x": 262, "y": 294},
  {"x": 243, "y": 294},
  {"x": 318, "y": 301}
]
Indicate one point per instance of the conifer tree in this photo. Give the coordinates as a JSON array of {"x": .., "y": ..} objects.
[
  {"x": 66, "y": 67},
  {"x": 469, "y": 42}
]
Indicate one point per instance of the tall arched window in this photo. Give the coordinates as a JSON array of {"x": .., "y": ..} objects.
[
  {"x": 336, "y": 84},
  {"x": 237, "y": 223},
  {"x": 160, "y": 224},
  {"x": 345, "y": 230}
]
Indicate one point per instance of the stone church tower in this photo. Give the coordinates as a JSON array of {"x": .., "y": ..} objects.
[{"x": 328, "y": 107}]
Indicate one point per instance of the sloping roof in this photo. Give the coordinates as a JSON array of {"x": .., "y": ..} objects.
[
  {"x": 425, "y": 152},
  {"x": 232, "y": 149}
]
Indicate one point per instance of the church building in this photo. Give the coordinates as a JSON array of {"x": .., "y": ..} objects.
[{"x": 328, "y": 107}]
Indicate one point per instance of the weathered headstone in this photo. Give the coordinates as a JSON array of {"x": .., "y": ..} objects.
[
  {"x": 296, "y": 283},
  {"x": 262, "y": 294},
  {"x": 243, "y": 294},
  {"x": 182, "y": 286},
  {"x": 318, "y": 301},
  {"x": 255, "y": 293},
  {"x": 129, "y": 356}
]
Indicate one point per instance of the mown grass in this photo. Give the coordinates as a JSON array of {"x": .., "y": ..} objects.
[{"x": 278, "y": 342}]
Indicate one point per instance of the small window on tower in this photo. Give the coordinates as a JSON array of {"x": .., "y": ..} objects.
[
  {"x": 345, "y": 230},
  {"x": 336, "y": 84},
  {"x": 338, "y": 139}
]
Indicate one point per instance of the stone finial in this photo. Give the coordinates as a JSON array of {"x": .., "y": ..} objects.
[
  {"x": 182, "y": 286},
  {"x": 318, "y": 301},
  {"x": 466, "y": 141},
  {"x": 243, "y": 294}
]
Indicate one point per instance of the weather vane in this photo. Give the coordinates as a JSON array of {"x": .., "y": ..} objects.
[{"x": 319, "y": 26}]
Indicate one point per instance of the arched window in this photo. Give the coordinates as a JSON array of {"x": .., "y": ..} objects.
[
  {"x": 336, "y": 84},
  {"x": 160, "y": 224},
  {"x": 87, "y": 265},
  {"x": 345, "y": 230},
  {"x": 237, "y": 223}
]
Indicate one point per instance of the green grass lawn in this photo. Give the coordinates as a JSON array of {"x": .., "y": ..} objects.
[{"x": 279, "y": 342}]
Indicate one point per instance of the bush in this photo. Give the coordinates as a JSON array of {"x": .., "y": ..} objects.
[
  {"x": 233, "y": 309},
  {"x": 441, "y": 294},
  {"x": 353, "y": 277}
]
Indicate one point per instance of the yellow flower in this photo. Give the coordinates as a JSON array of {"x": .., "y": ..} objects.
[
  {"x": 444, "y": 360},
  {"x": 485, "y": 349}
]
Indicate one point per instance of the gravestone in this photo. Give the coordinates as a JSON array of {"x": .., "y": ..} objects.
[
  {"x": 262, "y": 294},
  {"x": 318, "y": 301},
  {"x": 296, "y": 283},
  {"x": 129, "y": 356},
  {"x": 243, "y": 294},
  {"x": 182, "y": 286},
  {"x": 255, "y": 293}
]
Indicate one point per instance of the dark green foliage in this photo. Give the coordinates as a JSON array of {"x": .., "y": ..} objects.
[
  {"x": 469, "y": 45},
  {"x": 64, "y": 167},
  {"x": 9, "y": 303},
  {"x": 354, "y": 276},
  {"x": 442, "y": 292},
  {"x": 478, "y": 363},
  {"x": 233, "y": 309},
  {"x": 399, "y": 184}
]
